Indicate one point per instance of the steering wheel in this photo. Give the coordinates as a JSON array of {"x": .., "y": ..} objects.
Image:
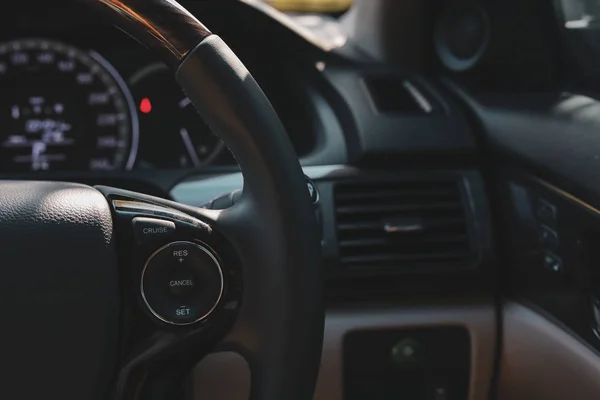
[{"x": 114, "y": 294}]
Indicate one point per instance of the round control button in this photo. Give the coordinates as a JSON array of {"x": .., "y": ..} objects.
[{"x": 182, "y": 283}]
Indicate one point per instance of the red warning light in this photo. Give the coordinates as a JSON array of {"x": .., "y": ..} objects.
[{"x": 145, "y": 105}]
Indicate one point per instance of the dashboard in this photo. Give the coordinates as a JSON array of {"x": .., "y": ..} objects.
[{"x": 82, "y": 97}]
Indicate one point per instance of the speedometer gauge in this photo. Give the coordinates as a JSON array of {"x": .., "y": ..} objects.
[
  {"x": 174, "y": 134},
  {"x": 63, "y": 109}
]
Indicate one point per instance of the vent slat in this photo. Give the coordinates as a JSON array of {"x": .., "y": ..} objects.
[
  {"x": 369, "y": 225},
  {"x": 383, "y": 241},
  {"x": 365, "y": 210},
  {"x": 399, "y": 257},
  {"x": 375, "y": 195},
  {"x": 369, "y": 208}
]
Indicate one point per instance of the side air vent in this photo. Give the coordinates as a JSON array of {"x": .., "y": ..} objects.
[{"x": 402, "y": 226}]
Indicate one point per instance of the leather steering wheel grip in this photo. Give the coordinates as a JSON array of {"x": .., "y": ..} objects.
[
  {"x": 279, "y": 237},
  {"x": 273, "y": 227}
]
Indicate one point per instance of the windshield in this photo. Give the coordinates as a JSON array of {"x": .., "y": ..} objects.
[{"x": 581, "y": 14}]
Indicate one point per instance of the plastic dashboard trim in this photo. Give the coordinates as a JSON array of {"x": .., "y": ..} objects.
[{"x": 478, "y": 316}]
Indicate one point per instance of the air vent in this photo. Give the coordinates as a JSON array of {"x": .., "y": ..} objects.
[
  {"x": 395, "y": 95},
  {"x": 402, "y": 226}
]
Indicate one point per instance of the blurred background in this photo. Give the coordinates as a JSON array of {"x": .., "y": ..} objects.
[{"x": 311, "y": 6}]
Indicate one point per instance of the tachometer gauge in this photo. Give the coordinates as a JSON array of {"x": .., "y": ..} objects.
[
  {"x": 174, "y": 135},
  {"x": 63, "y": 109}
]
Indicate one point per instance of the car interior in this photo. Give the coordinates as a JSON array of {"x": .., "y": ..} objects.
[{"x": 292, "y": 200}]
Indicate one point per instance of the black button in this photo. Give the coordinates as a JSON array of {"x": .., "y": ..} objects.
[
  {"x": 182, "y": 282},
  {"x": 547, "y": 236},
  {"x": 147, "y": 230},
  {"x": 407, "y": 352},
  {"x": 546, "y": 212},
  {"x": 552, "y": 262},
  {"x": 440, "y": 391},
  {"x": 312, "y": 190}
]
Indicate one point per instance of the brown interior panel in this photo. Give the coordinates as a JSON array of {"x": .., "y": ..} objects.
[
  {"x": 541, "y": 360},
  {"x": 225, "y": 376}
]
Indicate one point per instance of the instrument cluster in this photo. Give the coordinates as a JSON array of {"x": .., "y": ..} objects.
[
  {"x": 63, "y": 108},
  {"x": 76, "y": 105},
  {"x": 79, "y": 97}
]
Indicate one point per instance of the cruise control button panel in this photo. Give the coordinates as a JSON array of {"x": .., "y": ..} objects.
[{"x": 182, "y": 283}]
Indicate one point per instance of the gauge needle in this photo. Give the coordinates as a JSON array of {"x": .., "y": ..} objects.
[{"x": 185, "y": 136}]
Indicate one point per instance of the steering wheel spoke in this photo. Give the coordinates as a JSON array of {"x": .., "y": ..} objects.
[{"x": 182, "y": 281}]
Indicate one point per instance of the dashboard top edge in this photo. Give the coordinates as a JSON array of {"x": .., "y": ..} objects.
[{"x": 198, "y": 189}]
